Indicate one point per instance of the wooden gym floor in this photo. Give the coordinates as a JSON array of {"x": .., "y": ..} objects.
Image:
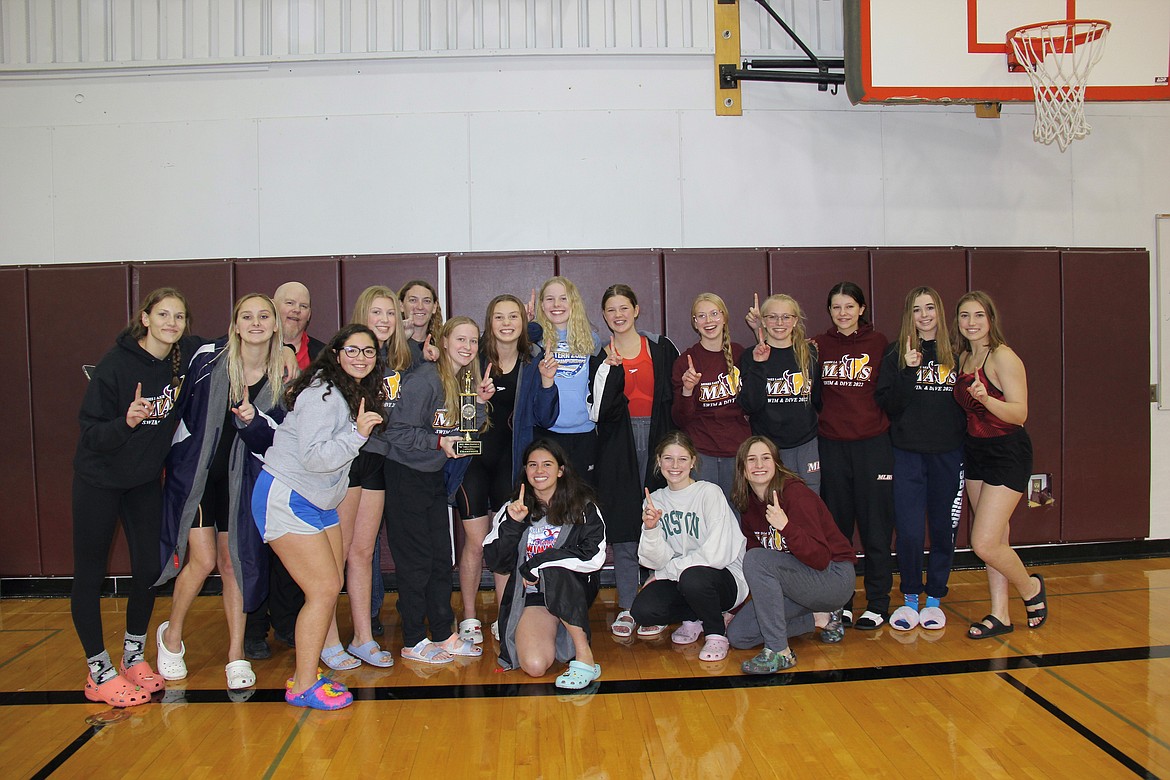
[{"x": 1086, "y": 696}]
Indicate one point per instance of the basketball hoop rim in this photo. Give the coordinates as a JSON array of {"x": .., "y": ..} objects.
[{"x": 1097, "y": 28}]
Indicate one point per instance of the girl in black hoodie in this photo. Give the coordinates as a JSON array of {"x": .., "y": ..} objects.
[{"x": 127, "y": 422}]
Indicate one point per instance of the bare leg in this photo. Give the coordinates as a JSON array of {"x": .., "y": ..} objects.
[
  {"x": 358, "y": 561},
  {"x": 475, "y": 531},
  {"x": 536, "y": 639},
  {"x": 347, "y": 518},
  {"x": 233, "y": 600},
  {"x": 993, "y": 506},
  {"x": 580, "y": 643},
  {"x": 314, "y": 561},
  {"x": 200, "y": 563}
]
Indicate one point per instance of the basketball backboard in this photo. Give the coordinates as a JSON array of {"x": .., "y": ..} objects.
[{"x": 942, "y": 51}]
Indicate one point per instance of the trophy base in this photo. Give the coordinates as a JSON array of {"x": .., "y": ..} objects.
[{"x": 465, "y": 448}]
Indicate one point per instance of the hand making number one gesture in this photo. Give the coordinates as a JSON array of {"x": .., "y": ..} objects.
[
  {"x": 429, "y": 350},
  {"x": 139, "y": 408},
  {"x": 761, "y": 351},
  {"x": 690, "y": 378},
  {"x": 913, "y": 356},
  {"x": 753, "y": 317},
  {"x": 487, "y": 388},
  {"x": 518, "y": 510},
  {"x": 650, "y": 515},
  {"x": 245, "y": 412},
  {"x": 777, "y": 517},
  {"x": 366, "y": 421},
  {"x": 613, "y": 358}
]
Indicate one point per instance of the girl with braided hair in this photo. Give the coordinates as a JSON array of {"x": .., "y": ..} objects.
[
  {"x": 706, "y": 383},
  {"x": 127, "y": 421}
]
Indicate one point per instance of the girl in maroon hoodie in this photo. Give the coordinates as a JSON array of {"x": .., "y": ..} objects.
[
  {"x": 706, "y": 385},
  {"x": 857, "y": 461}
]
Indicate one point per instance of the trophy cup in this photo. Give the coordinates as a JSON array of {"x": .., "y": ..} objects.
[{"x": 467, "y": 426}]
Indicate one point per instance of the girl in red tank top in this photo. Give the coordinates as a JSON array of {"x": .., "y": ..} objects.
[{"x": 998, "y": 455}]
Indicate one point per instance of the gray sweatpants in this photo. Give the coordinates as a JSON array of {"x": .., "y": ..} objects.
[{"x": 785, "y": 594}]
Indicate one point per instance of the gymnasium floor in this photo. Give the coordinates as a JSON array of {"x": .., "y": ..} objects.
[{"x": 1086, "y": 696}]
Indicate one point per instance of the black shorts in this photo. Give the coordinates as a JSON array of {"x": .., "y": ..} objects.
[
  {"x": 1000, "y": 460},
  {"x": 534, "y": 599},
  {"x": 367, "y": 471},
  {"x": 213, "y": 507},
  {"x": 486, "y": 486}
]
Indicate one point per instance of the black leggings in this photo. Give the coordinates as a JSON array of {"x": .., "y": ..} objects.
[
  {"x": 701, "y": 593},
  {"x": 95, "y": 516}
]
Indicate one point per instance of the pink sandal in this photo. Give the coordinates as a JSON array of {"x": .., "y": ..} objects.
[
  {"x": 116, "y": 692},
  {"x": 715, "y": 648},
  {"x": 688, "y": 632},
  {"x": 143, "y": 676}
]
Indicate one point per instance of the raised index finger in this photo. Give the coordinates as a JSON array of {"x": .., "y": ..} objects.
[
  {"x": 613, "y": 347},
  {"x": 775, "y": 499},
  {"x": 487, "y": 371},
  {"x": 521, "y": 497},
  {"x": 138, "y": 392},
  {"x": 756, "y": 298},
  {"x": 760, "y": 333},
  {"x": 649, "y": 501},
  {"x": 690, "y": 363},
  {"x": 361, "y": 407}
]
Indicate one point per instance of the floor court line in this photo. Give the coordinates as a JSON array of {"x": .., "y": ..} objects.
[
  {"x": 1098, "y": 741},
  {"x": 653, "y": 685}
]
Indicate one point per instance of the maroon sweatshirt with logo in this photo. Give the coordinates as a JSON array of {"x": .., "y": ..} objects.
[{"x": 849, "y": 375}]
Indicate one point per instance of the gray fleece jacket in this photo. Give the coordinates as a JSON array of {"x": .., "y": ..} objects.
[{"x": 314, "y": 446}]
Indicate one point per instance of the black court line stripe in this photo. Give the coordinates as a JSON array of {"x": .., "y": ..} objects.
[
  {"x": 658, "y": 685},
  {"x": 67, "y": 753},
  {"x": 1096, "y": 739}
]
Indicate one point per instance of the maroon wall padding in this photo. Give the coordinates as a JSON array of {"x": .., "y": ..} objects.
[
  {"x": 17, "y": 482},
  {"x": 393, "y": 271},
  {"x": 320, "y": 274},
  {"x": 895, "y": 273},
  {"x": 594, "y": 271},
  {"x": 474, "y": 279},
  {"x": 808, "y": 275},
  {"x": 206, "y": 284},
  {"x": 58, "y": 348},
  {"x": 1106, "y": 396},
  {"x": 1025, "y": 286},
  {"x": 732, "y": 274}
]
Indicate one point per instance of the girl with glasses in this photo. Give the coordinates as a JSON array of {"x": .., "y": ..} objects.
[
  {"x": 706, "y": 384},
  {"x": 781, "y": 390},
  {"x": 334, "y": 407}
]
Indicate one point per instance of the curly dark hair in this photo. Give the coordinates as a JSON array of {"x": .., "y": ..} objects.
[
  {"x": 573, "y": 494},
  {"x": 326, "y": 368}
]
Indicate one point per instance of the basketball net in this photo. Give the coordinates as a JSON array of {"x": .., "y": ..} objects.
[{"x": 1057, "y": 56}]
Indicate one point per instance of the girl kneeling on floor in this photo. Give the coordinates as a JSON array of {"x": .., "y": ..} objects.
[
  {"x": 551, "y": 539},
  {"x": 693, "y": 545},
  {"x": 799, "y": 566},
  {"x": 332, "y": 412}
]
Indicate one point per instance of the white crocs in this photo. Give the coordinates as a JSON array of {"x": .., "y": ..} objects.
[
  {"x": 471, "y": 630},
  {"x": 170, "y": 665}
]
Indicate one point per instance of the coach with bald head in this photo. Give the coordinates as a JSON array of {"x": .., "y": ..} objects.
[{"x": 295, "y": 309}]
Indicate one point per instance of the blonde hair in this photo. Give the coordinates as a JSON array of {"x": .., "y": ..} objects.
[
  {"x": 448, "y": 377},
  {"x": 710, "y": 297},
  {"x": 398, "y": 355},
  {"x": 273, "y": 363},
  {"x": 800, "y": 348},
  {"x": 579, "y": 333},
  {"x": 943, "y": 347}
]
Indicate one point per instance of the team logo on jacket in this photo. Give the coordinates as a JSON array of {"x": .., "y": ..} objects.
[
  {"x": 443, "y": 421},
  {"x": 161, "y": 405},
  {"x": 390, "y": 385},
  {"x": 722, "y": 391},
  {"x": 848, "y": 367},
  {"x": 790, "y": 384},
  {"x": 569, "y": 363},
  {"x": 934, "y": 374}
]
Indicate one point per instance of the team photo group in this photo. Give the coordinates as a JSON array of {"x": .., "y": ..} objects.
[{"x": 725, "y": 483}]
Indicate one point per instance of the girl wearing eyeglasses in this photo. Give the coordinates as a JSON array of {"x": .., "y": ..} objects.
[
  {"x": 421, "y": 433},
  {"x": 333, "y": 408},
  {"x": 706, "y": 383},
  {"x": 781, "y": 390}
]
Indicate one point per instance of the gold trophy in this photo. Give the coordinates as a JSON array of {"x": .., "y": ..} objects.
[{"x": 467, "y": 426}]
